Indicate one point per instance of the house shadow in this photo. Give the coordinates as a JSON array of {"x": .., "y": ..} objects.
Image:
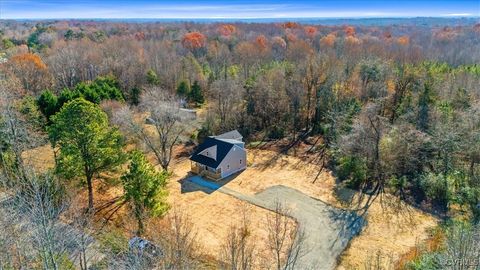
[{"x": 193, "y": 183}]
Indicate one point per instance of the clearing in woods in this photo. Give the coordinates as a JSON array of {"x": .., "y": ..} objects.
[{"x": 214, "y": 212}]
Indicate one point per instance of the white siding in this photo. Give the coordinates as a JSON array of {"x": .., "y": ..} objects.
[
  {"x": 210, "y": 152},
  {"x": 235, "y": 161}
]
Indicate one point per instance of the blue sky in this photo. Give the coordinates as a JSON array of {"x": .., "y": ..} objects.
[{"x": 35, "y": 9}]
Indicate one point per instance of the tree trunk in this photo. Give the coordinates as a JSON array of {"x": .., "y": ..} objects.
[
  {"x": 90, "y": 192},
  {"x": 141, "y": 227}
]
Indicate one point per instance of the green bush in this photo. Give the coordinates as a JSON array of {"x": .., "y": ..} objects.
[
  {"x": 276, "y": 132},
  {"x": 113, "y": 241},
  {"x": 47, "y": 103},
  {"x": 352, "y": 170},
  {"x": 152, "y": 77},
  {"x": 436, "y": 188},
  {"x": 30, "y": 109},
  {"x": 428, "y": 261}
]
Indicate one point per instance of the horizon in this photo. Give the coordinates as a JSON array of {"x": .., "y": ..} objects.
[{"x": 235, "y": 10}]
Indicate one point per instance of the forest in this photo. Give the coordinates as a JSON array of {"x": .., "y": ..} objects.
[{"x": 391, "y": 109}]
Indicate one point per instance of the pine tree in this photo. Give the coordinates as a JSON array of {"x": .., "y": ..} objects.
[
  {"x": 196, "y": 94},
  {"x": 183, "y": 89},
  {"x": 145, "y": 189}
]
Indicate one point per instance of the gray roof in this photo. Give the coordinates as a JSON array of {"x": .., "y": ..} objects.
[
  {"x": 222, "y": 150},
  {"x": 233, "y": 135}
]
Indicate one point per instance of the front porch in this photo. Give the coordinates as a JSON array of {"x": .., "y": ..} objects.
[{"x": 205, "y": 171}]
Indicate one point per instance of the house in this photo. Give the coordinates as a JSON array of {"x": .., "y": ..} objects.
[{"x": 220, "y": 156}]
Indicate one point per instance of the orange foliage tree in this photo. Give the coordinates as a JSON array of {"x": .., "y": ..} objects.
[
  {"x": 403, "y": 40},
  {"x": 31, "y": 71},
  {"x": 328, "y": 40},
  {"x": 194, "y": 40},
  {"x": 310, "y": 31},
  {"x": 261, "y": 42},
  {"x": 349, "y": 31},
  {"x": 290, "y": 25},
  {"x": 226, "y": 30}
]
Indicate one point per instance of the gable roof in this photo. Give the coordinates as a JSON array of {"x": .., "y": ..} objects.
[
  {"x": 231, "y": 135},
  {"x": 223, "y": 148}
]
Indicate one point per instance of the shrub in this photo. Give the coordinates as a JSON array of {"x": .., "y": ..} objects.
[
  {"x": 437, "y": 189},
  {"x": 353, "y": 170},
  {"x": 30, "y": 109},
  {"x": 47, "y": 103},
  {"x": 113, "y": 241}
]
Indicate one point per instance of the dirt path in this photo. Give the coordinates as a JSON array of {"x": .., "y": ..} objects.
[{"x": 328, "y": 229}]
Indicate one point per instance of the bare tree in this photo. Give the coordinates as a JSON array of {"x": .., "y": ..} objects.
[
  {"x": 159, "y": 126},
  {"x": 238, "y": 251},
  {"x": 378, "y": 261},
  {"x": 13, "y": 133},
  {"x": 34, "y": 207},
  {"x": 227, "y": 95},
  {"x": 462, "y": 247},
  {"x": 286, "y": 241},
  {"x": 179, "y": 242},
  {"x": 364, "y": 143}
]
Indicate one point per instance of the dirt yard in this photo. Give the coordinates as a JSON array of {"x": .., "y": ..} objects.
[
  {"x": 214, "y": 213},
  {"x": 388, "y": 232}
]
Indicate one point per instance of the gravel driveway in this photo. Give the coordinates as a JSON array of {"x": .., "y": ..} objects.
[{"x": 328, "y": 229}]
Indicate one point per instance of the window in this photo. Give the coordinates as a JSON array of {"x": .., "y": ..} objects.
[
  {"x": 228, "y": 166},
  {"x": 240, "y": 161}
]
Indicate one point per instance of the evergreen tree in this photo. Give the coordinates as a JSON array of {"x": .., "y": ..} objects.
[
  {"x": 145, "y": 189},
  {"x": 424, "y": 101},
  {"x": 47, "y": 102},
  {"x": 152, "y": 77},
  {"x": 183, "y": 89},
  {"x": 196, "y": 94},
  {"x": 88, "y": 146},
  {"x": 135, "y": 96}
]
